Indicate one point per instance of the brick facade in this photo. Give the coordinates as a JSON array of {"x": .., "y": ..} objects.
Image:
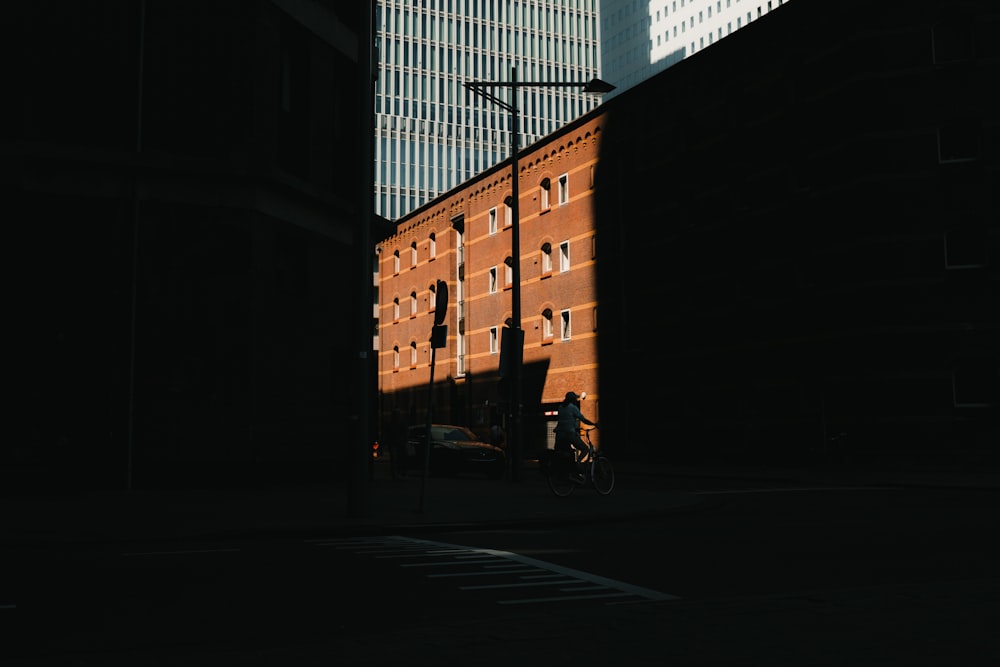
[
  {"x": 797, "y": 239},
  {"x": 558, "y": 293}
]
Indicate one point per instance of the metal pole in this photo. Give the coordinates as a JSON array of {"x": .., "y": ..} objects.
[
  {"x": 358, "y": 485},
  {"x": 134, "y": 293},
  {"x": 514, "y": 352},
  {"x": 516, "y": 441},
  {"x": 427, "y": 439}
]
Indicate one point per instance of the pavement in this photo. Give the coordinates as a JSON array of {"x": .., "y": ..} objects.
[
  {"x": 387, "y": 505},
  {"x": 933, "y": 624}
]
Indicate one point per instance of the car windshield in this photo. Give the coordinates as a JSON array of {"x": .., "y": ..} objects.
[{"x": 454, "y": 433}]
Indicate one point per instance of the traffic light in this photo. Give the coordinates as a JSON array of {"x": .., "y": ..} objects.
[{"x": 440, "y": 302}]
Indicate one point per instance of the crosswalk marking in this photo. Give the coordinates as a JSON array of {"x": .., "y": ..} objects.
[
  {"x": 786, "y": 489},
  {"x": 512, "y": 571}
]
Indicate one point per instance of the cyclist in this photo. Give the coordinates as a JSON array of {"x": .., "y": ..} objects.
[{"x": 568, "y": 433}]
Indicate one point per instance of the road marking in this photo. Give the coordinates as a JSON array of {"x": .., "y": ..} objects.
[
  {"x": 522, "y": 584},
  {"x": 512, "y": 570},
  {"x": 785, "y": 489},
  {"x": 491, "y": 573},
  {"x": 179, "y": 552},
  {"x": 451, "y": 563},
  {"x": 563, "y": 598}
]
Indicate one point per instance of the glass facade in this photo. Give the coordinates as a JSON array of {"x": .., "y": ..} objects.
[
  {"x": 640, "y": 38},
  {"x": 431, "y": 133}
]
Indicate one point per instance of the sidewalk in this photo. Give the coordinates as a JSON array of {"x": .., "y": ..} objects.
[
  {"x": 388, "y": 506},
  {"x": 986, "y": 476},
  {"x": 392, "y": 506}
]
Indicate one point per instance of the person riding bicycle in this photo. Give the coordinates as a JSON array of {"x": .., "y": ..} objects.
[{"x": 567, "y": 432}]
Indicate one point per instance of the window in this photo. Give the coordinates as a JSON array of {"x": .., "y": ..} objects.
[
  {"x": 493, "y": 279},
  {"x": 544, "y": 194},
  {"x": 958, "y": 141},
  {"x": 564, "y": 256},
  {"x": 494, "y": 345},
  {"x": 593, "y": 247},
  {"x": 493, "y": 221},
  {"x": 432, "y": 301},
  {"x": 508, "y": 211},
  {"x": 413, "y": 254},
  {"x": 413, "y": 354},
  {"x": 965, "y": 243},
  {"x": 547, "y": 325},
  {"x": 595, "y": 318},
  {"x": 395, "y": 358},
  {"x": 432, "y": 246},
  {"x": 954, "y": 40},
  {"x": 413, "y": 304},
  {"x": 508, "y": 272},
  {"x": 395, "y": 309},
  {"x": 975, "y": 383},
  {"x": 395, "y": 261},
  {"x": 565, "y": 325},
  {"x": 564, "y": 189},
  {"x": 546, "y": 258}
]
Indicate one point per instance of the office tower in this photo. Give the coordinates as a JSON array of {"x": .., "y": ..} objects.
[
  {"x": 182, "y": 184},
  {"x": 431, "y": 134},
  {"x": 642, "y": 37}
]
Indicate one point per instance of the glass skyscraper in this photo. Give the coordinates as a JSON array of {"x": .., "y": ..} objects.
[
  {"x": 431, "y": 134},
  {"x": 642, "y": 37}
]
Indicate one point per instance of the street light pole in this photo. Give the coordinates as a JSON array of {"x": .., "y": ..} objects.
[
  {"x": 517, "y": 334},
  {"x": 515, "y": 356}
]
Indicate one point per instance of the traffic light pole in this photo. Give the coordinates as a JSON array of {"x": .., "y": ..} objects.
[{"x": 439, "y": 338}]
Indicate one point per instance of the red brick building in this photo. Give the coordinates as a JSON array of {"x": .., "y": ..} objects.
[
  {"x": 464, "y": 238},
  {"x": 798, "y": 251}
]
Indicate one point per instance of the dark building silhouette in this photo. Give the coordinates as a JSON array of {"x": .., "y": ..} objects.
[
  {"x": 187, "y": 188},
  {"x": 807, "y": 220}
]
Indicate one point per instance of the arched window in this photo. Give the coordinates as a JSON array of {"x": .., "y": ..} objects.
[
  {"x": 546, "y": 189},
  {"x": 564, "y": 256},
  {"x": 432, "y": 246},
  {"x": 547, "y": 325},
  {"x": 546, "y": 258}
]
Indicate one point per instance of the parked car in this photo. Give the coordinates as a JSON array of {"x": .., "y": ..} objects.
[{"x": 454, "y": 450}]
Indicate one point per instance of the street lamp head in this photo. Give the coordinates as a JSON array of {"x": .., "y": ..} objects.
[{"x": 598, "y": 86}]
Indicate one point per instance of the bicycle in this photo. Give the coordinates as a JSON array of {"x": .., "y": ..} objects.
[{"x": 597, "y": 470}]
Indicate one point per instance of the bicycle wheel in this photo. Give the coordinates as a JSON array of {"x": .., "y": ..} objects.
[
  {"x": 603, "y": 475},
  {"x": 560, "y": 483}
]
